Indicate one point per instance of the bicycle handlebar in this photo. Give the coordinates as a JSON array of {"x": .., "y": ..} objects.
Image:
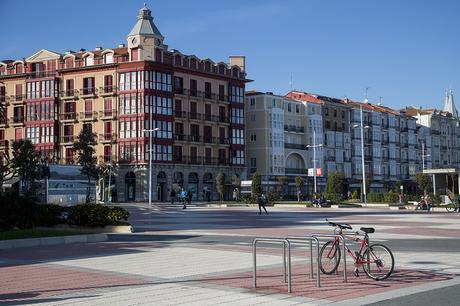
[{"x": 342, "y": 226}]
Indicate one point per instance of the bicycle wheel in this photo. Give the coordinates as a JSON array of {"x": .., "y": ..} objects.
[
  {"x": 381, "y": 263},
  {"x": 329, "y": 257},
  {"x": 451, "y": 208}
]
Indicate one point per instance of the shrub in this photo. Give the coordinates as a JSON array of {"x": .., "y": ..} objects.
[
  {"x": 89, "y": 215},
  {"x": 272, "y": 196},
  {"x": 391, "y": 197},
  {"x": 355, "y": 195},
  {"x": 118, "y": 214},
  {"x": 334, "y": 187},
  {"x": 17, "y": 212},
  {"x": 375, "y": 197},
  {"x": 248, "y": 198},
  {"x": 435, "y": 199},
  {"x": 49, "y": 214}
]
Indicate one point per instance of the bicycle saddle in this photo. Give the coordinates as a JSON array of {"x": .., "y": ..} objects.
[{"x": 368, "y": 230}]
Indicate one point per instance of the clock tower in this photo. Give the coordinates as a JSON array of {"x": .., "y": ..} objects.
[{"x": 144, "y": 38}]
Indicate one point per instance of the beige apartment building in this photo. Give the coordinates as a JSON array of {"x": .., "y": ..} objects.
[
  {"x": 118, "y": 93},
  {"x": 279, "y": 129}
]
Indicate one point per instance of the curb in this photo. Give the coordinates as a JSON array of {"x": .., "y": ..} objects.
[{"x": 46, "y": 241}]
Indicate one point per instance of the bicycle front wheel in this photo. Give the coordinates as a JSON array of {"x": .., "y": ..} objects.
[
  {"x": 329, "y": 257},
  {"x": 451, "y": 208},
  {"x": 380, "y": 263}
]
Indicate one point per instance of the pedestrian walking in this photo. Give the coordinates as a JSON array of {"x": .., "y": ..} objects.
[
  {"x": 189, "y": 197},
  {"x": 262, "y": 200},
  {"x": 183, "y": 198},
  {"x": 172, "y": 195}
]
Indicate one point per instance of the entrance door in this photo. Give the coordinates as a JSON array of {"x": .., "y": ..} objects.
[{"x": 130, "y": 186}]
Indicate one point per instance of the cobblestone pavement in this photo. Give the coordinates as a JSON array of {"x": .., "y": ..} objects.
[{"x": 202, "y": 256}]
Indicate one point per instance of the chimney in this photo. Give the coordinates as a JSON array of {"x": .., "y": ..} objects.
[
  {"x": 98, "y": 49},
  {"x": 238, "y": 60},
  {"x": 82, "y": 50},
  {"x": 121, "y": 45}
]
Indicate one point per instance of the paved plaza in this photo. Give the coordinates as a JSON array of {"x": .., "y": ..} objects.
[{"x": 203, "y": 256}]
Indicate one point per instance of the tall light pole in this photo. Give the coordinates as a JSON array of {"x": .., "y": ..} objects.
[
  {"x": 150, "y": 161},
  {"x": 362, "y": 152},
  {"x": 314, "y": 146},
  {"x": 424, "y": 155}
]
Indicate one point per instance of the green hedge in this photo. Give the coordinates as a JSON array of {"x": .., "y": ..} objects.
[
  {"x": 391, "y": 197},
  {"x": 375, "y": 197},
  {"x": 96, "y": 215}
]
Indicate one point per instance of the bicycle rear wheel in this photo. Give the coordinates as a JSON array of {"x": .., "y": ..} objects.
[
  {"x": 451, "y": 208},
  {"x": 381, "y": 262},
  {"x": 329, "y": 257}
]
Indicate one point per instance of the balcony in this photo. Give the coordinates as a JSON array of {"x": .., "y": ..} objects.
[
  {"x": 200, "y": 95},
  {"x": 17, "y": 99},
  {"x": 88, "y": 116},
  {"x": 17, "y": 121},
  {"x": 330, "y": 158},
  {"x": 3, "y": 143},
  {"x": 180, "y": 137},
  {"x": 67, "y": 139},
  {"x": 88, "y": 92},
  {"x": 41, "y": 74},
  {"x": 209, "y": 139},
  {"x": 295, "y": 171},
  {"x": 293, "y": 128},
  {"x": 69, "y": 117},
  {"x": 108, "y": 114},
  {"x": 194, "y": 138},
  {"x": 195, "y": 116},
  {"x": 69, "y": 94},
  {"x": 223, "y": 140},
  {"x": 200, "y": 160},
  {"x": 107, "y": 158},
  {"x": 180, "y": 114},
  {"x": 108, "y": 90},
  {"x": 107, "y": 138},
  {"x": 4, "y": 122},
  {"x": 295, "y": 146}
]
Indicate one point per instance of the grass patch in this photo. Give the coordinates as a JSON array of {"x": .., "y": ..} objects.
[{"x": 37, "y": 233}]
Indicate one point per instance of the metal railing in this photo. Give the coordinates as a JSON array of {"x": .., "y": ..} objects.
[{"x": 285, "y": 242}]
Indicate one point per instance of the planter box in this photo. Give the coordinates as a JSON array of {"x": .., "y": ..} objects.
[{"x": 106, "y": 229}]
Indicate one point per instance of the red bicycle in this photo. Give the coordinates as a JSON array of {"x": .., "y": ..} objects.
[{"x": 376, "y": 259}]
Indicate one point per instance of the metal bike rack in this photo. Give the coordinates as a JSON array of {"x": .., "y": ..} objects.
[
  {"x": 345, "y": 279},
  {"x": 309, "y": 241},
  {"x": 285, "y": 243}
]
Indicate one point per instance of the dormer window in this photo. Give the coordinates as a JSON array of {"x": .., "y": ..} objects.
[
  {"x": 89, "y": 60},
  {"x": 69, "y": 62},
  {"x": 108, "y": 58}
]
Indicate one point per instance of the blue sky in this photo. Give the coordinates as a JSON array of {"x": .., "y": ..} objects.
[{"x": 407, "y": 51}]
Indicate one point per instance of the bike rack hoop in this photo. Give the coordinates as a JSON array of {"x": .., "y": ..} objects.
[
  {"x": 345, "y": 279},
  {"x": 274, "y": 240},
  {"x": 308, "y": 240}
]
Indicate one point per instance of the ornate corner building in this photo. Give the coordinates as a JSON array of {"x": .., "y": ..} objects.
[{"x": 197, "y": 105}]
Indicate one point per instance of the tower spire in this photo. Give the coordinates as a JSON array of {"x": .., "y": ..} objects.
[{"x": 449, "y": 105}]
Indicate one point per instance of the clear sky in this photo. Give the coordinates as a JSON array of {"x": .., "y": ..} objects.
[{"x": 406, "y": 51}]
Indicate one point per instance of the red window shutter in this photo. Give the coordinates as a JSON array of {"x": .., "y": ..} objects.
[
  {"x": 107, "y": 127},
  {"x": 88, "y": 106},
  {"x": 134, "y": 54},
  {"x": 108, "y": 104}
]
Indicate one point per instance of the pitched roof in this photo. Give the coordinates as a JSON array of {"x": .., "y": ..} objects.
[{"x": 144, "y": 25}]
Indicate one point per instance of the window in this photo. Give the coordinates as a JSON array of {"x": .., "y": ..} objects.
[
  {"x": 165, "y": 129},
  {"x": 297, "y": 109},
  {"x": 335, "y": 113},
  {"x": 88, "y": 108},
  {"x": 237, "y": 136},
  {"x": 89, "y": 60},
  {"x": 253, "y": 162},
  {"x": 108, "y": 58},
  {"x": 69, "y": 85},
  {"x": 18, "y": 92},
  {"x": 289, "y": 107},
  {"x": 178, "y": 85},
  {"x": 326, "y": 111},
  {"x": 343, "y": 114},
  {"x": 253, "y": 137},
  {"x": 237, "y": 116},
  {"x": 238, "y": 157},
  {"x": 193, "y": 87},
  {"x": 88, "y": 127},
  {"x": 107, "y": 153},
  {"x": 130, "y": 104},
  {"x": 221, "y": 92},
  {"x": 162, "y": 152},
  {"x": 108, "y": 107},
  {"x": 88, "y": 86},
  {"x": 207, "y": 90},
  {"x": 236, "y": 94},
  {"x": 108, "y": 83},
  {"x": 158, "y": 105}
]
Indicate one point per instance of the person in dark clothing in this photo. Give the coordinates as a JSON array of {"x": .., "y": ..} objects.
[
  {"x": 172, "y": 195},
  {"x": 262, "y": 200},
  {"x": 189, "y": 198}
]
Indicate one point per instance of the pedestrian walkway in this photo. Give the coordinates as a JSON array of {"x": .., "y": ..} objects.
[{"x": 203, "y": 257}]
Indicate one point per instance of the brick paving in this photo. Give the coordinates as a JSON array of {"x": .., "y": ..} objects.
[{"x": 176, "y": 272}]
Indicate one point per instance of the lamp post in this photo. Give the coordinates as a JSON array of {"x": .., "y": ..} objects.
[
  {"x": 150, "y": 162},
  {"x": 362, "y": 152},
  {"x": 314, "y": 146},
  {"x": 424, "y": 155}
]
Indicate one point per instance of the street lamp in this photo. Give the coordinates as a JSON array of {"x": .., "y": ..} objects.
[
  {"x": 314, "y": 146},
  {"x": 362, "y": 152},
  {"x": 424, "y": 155},
  {"x": 150, "y": 162}
]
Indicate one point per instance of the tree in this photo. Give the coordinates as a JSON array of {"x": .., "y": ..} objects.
[
  {"x": 282, "y": 180},
  {"x": 26, "y": 162},
  {"x": 220, "y": 185},
  {"x": 423, "y": 182},
  {"x": 237, "y": 185},
  {"x": 256, "y": 184},
  {"x": 6, "y": 168},
  {"x": 298, "y": 185},
  {"x": 84, "y": 148},
  {"x": 334, "y": 187}
]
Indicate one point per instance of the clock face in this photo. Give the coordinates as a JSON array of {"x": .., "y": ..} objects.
[{"x": 134, "y": 41}]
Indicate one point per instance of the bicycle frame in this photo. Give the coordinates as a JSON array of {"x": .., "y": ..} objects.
[{"x": 357, "y": 258}]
